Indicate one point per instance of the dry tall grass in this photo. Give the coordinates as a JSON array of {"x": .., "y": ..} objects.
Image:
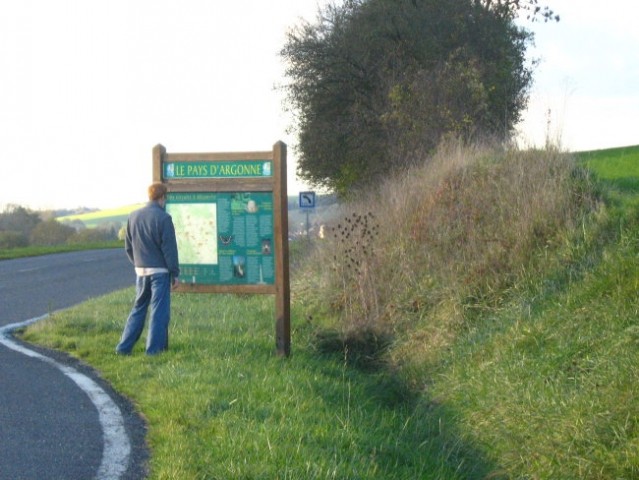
[{"x": 413, "y": 259}]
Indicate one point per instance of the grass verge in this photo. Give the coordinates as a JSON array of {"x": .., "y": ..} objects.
[
  {"x": 33, "y": 251},
  {"x": 548, "y": 383}
]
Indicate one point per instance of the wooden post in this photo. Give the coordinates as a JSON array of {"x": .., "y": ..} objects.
[
  {"x": 282, "y": 283},
  {"x": 158, "y": 157}
]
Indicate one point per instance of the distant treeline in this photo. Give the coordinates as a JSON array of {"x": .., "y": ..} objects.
[{"x": 22, "y": 227}]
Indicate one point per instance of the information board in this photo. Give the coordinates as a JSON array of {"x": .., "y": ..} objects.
[
  {"x": 231, "y": 221},
  {"x": 224, "y": 238}
]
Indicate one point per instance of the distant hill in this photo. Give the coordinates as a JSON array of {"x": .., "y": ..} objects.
[
  {"x": 74, "y": 211},
  {"x": 101, "y": 217}
]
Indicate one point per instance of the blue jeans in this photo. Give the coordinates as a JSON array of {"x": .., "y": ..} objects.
[{"x": 154, "y": 291}]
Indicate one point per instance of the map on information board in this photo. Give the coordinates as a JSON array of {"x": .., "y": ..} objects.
[{"x": 197, "y": 224}]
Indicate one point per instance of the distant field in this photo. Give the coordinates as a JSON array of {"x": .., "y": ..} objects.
[
  {"x": 618, "y": 167},
  {"x": 94, "y": 219}
]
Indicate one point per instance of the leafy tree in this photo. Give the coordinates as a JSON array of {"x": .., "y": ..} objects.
[
  {"x": 531, "y": 8},
  {"x": 51, "y": 232},
  {"x": 15, "y": 218},
  {"x": 374, "y": 81}
]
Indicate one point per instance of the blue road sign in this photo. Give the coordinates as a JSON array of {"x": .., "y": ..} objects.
[{"x": 307, "y": 199}]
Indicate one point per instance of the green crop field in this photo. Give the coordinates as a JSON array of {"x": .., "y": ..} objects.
[
  {"x": 614, "y": 164},
  {"x": 95, "y": 219},
  {"x": 618, "y": 168}
]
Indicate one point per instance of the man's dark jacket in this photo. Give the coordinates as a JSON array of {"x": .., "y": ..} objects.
[{"x": 150, "y": 239}]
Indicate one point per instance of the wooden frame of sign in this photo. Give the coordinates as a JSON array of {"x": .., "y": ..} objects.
[{"x": 198, "y": 175}]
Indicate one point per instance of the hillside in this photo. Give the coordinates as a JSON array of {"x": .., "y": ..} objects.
[{"x": 514, "y": 315}]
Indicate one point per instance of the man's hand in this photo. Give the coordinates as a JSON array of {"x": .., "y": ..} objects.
[{"x": 175, "y": 284}]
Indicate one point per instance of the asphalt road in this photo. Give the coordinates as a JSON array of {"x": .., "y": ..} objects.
[{"x": 49, "y": 427}]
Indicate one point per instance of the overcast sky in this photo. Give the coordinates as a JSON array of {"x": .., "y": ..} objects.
[
  {"x": 88, "y": 87},
  {"x": 588, "y": 76}
]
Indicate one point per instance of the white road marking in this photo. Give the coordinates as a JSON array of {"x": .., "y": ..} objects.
[{"x": 117, "y": 447}]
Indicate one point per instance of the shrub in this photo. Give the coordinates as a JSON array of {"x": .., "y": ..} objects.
[
  {"x": 91, "y": 235},
  {"x": 50, "y": 232},
  {"x": 15, "y": 218},
  {"x": 11, "y": 239},
  {"x": 76, "y": 224}
]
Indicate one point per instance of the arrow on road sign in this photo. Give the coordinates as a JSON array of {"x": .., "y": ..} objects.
[{"x": 307, "y": 200}]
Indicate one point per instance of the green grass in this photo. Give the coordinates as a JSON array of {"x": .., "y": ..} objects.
[
  {"x": 221, "y": 405},
  {"x": 615, "y": 163},
  {"x": 539, "y": 385},
  {"x": 33, "y": 251},
  {"x": 618, "y": 168},
  {"x": 549, "y": 384}
]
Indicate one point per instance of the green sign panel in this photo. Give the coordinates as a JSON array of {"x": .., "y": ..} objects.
[
  {"x": 218, "y": 169},
  {"x": 224, "y": 238}
]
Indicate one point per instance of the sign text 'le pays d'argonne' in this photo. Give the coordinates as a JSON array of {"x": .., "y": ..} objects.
[{"x": 224, "y": 169}]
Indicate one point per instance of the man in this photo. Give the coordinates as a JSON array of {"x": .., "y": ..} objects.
[{"x": 152, "y": 248}]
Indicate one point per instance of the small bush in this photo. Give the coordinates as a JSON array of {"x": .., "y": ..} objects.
[
  {"x": 50, "y": 232},
  {"x": 92, "y": 235},
  {"x": 11, "y": 239}
]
